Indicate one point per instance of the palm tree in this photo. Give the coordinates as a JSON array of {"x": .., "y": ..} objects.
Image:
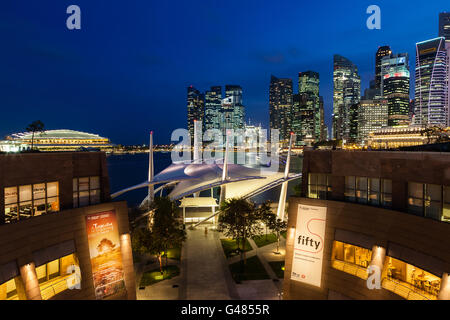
[{"x": 35, "y": 126}]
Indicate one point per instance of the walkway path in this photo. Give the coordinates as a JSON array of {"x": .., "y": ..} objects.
[{"x": 205, "y": 274}]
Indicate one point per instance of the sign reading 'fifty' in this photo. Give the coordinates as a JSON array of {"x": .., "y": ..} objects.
[{"x": 308, "y": 245}]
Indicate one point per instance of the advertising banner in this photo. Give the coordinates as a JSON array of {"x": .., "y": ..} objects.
[
  {"x": 105, "y": 254},
  {"x": 308, "y": 245}
]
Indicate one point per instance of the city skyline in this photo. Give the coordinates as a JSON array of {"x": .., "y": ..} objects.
[{"x": 51, "y": 68}]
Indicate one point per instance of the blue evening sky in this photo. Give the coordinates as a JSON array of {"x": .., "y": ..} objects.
[{"x": 126, "y": 71}]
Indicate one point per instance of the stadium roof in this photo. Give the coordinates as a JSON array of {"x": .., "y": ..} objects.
[{"x": 57, "y": 134}]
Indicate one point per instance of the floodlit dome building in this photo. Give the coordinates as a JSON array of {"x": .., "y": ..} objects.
[{"x": 61, "y": 140}]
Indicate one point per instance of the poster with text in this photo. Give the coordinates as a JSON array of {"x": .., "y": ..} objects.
[
  {"x": 105, "y": 254},
  {"x": 308, "y": 245}
]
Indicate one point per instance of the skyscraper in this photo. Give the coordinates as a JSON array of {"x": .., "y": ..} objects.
[
  {"x": 303, "y": 118},
  {"x": 195, "y": 108},
  {"x": 346, "y": 92},
  {"x": 444, "y": 25},
  {"x": 213, "y": 101},
  {"x": 431, "y": 96},
  {"x": 308, "y": 83},
  {"x": 280, "y": 106},
  {"x": 234, "y": 95},
  {"x": 372, "y": 115},
  {"x": 384, "y": 51},
  {"x": 395, "y": 87}
]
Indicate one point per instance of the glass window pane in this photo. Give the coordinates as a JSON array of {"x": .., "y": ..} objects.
[
  {"x": 433, "y": 210},
  {"x": 11, "y": 213},
  {"x": 361, "y": 183},
  {"x": 52, "y": 189},
  {"x": 434, "y": 192},
  {"x": 39, "y": 191},
  {"x": 374, "y": 185},
  {"x": 25, "y": 193},
  {"x": 415, "y": 206},
  {"x": 312, "y": 178},
  {"x": 95, "y": 196},
  {"x": 11, "y": 195},
  {"x": 322, "y": 179},
  {"x": 415, "y": 190},
  {"x": 75, "y": 199},
  {"x": 41, "y": 273},
  {"x": 387, "y": 186},
  {"x": 95, "y": 182},
  {"x": 350, "y": 182},
  {"x": 83, "y": 184},
  {"x": 53, "y": 204},
  {"x": 25, "y": 210},
  {"x": 39, "y": 207},
  {"x": 75, "y": 184},
  {"x": 84, "y": 198}
]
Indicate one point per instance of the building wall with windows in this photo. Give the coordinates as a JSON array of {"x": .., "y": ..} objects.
[
  {"x": 388, "y": 209},
  {"x": 33, "y": 184},
  {"x": 45, "y": 199}
]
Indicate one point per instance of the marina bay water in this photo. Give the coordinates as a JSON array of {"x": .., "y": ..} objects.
[{"x": 126, "y": 170}]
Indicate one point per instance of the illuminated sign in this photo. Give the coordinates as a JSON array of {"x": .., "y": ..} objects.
[
  {"x": 105, "y": 254},
  {"x": 308, "y": 245}
]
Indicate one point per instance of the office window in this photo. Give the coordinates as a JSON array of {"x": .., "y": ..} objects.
[
  {"x": 415, "y": 198},
  {"x": 86, "y": 191},
  {"x": 319, "y": 186},
  {"x": 409, "y": 281},
  {"x": 58, "y": 275},
  {"x": 23, "y": 202},
  {"x": 446, "y": 208},
  {"x": 386, "y": 193},
  {"x": 429, "y": 200},
  {"x": 361, "y": 190},
  {"x": 372, "y": 191},
  {"x": 350, "y": 188},
  {"x": 351, "y": 259}
]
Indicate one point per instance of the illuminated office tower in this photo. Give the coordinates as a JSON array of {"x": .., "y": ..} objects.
[
  {"x": 384, "y": 51},
  {"x": 308, "y": 83},
  {"x": 346, "y": 92},
  {"x": 280, "y": 106},
  {"x": 353, "y": 123},
  {"x": 372, "y": 115},
  {"x": 195, "y": 108},
  {"x": 444, "y": 25},
  {"x": 213, "y": 104},
  {"x": 236, "y": 110},
  {"x": 323, "y": 127},
  {"x": 303, "y": 118},
  {"x": 395, "y": 86},
  {"x": 431, "y": 88}
]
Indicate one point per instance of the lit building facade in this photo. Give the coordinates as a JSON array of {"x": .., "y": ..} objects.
[
  {"x": 280, "y": 106},
  {"x": 213, "y": 104},
  {"x": 303, "y": 118},
  {"x": 431, "y": 88},
  {"x": 195, "y": 109},
  {"x": 346, "y": 92},
  {"x": 373, "y": 210},
  {"x": 444, "y": 25},
  {"x": 382, "y": 52},
  {"x": 308, "y": 83},
  {"x": 60, "y": 140},
  {"x": 372, "y": 115},
  {"x": 395, "y": 86},
  {"x": 397, "y": 137},
  {"x": 49, "y": 247}
]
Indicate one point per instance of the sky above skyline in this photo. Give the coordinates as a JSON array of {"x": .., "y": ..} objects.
[{"x": 126, "y": 71}]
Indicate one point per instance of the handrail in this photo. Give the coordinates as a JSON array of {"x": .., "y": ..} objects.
[
  {"x": 397, "y": 283},
  {"x": 53, "y": 288}
]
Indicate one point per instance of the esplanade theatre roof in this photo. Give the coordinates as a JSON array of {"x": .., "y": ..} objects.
[{"x": 190, "y": 178}]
